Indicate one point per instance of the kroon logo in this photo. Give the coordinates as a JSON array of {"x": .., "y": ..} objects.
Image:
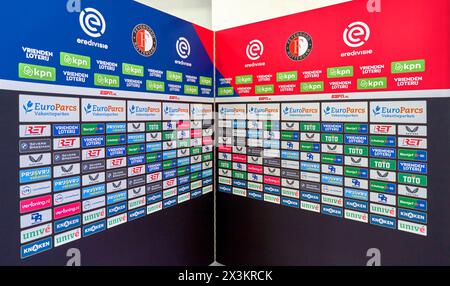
[
  {"x": 329, "y": 110},
  {"x": 31, "y": 106},
  {"x": 303, "y": 110},
  {"x": 94, "y": 108},
  {"x": 387, "y": 111},
  {"x": 138, "y": 109}
]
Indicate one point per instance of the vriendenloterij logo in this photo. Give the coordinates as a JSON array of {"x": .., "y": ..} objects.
[
  {"x": 356, "y": 34},
  {"x": 183, "y": 48},
  {"x": 255, "y": 49},
  {"x": 92, "y": 22}
]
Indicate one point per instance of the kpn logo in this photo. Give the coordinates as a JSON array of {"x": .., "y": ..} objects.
[
  {"x": 372, "y": 83},
  {"x": 35, "y": 72},
  {"x": 408, "y": 66}
]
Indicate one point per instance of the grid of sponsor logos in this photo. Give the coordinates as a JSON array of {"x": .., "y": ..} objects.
[
  {"x": 361, "y": 161},
  {"x": 122, "y": 161}
]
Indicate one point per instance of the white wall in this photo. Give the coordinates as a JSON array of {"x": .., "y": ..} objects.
[
  {"x": 224, "y": 14},
  {"x": 232, "y": 13},
  {"x": 194, "y": 11}
]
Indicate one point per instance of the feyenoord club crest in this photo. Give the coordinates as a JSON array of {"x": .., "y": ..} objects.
[
  {"x": 144, "y": 40},
  {"x": 299, "y": 46}
]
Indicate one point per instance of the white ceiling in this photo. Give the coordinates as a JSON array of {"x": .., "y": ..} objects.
[{"x": 224, "y": 14}]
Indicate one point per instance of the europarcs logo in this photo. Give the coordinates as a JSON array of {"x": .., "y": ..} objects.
[
  {"x": 172, "y": 110},
  {"x": 391, "y": 111},
  {"x": 135, "y": 109},
  {"x": 31, "y": 106},
  {"x": 298, "y": 111},
  {"x": 92, "y": 108},
  {"x": 329, "y": 110},
  {"x": 256, "y": 110}
]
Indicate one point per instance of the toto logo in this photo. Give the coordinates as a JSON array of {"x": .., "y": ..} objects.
[
  {"x": 183, "y": 48},
  {"x": 356, "y": 34},
  {"x": 92, "y": 22},
  {"x": 255, "y": 49}
]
